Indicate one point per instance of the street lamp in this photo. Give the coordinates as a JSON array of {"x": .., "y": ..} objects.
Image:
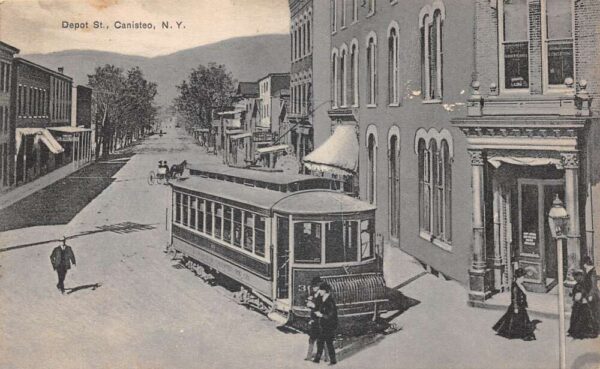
[{"x": 558, "y": 219}]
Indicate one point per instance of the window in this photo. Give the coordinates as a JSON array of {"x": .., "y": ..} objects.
[
  {"x": 393, "y": 74},
  {"x": 200, "y": 215},
  {"x": 343, "y": 13},
  {"x": 394, "y": 186},
  {"x": 248, "y": 231},
  {"x": 237, "y": 228},
  {"x": 193, "y": 212},
  {"x": 209, "y": 218},
  {"x": 259, "y": 230},
  {"x": 515, "y": 43},
  {"x": 341, "y": 243},
  {"x": 335, "y": 77},
  {"x": 333, "y": 16},
  {"x": 343, "y": 80},
  {"x": 177, "y": 207},
  {"x": 218, "y": 220},
  {"x": 308, "y": 36},
  {"x": 227, "y": 215},
  {"x": 372, "y": 168},
  {"x": 372, "y": 70},
  {"x": 371, "y": 6},
  {"x": 185, "y": 206},
  {"x": 435, "y": 186},
  {"x": 367, "y": 235},
  {"x": 354, "y": 11},
  {"x": 431, "y": 23},
  {"x": 354, "y": 73},
  {"x": 2, "y": 77},
  {"x": 296, "y": 41},
  {"x": 559, "y": 42},
  {"x": 307, "y": 242}
]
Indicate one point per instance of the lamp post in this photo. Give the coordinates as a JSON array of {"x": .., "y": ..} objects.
[{"x": 558, "y": 219}]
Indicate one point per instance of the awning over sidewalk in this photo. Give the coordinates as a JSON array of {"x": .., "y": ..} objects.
[
  {"x": 69, "y": 129},
  {"x": 41, "y": 134},
  {"x": 241, "y": 136},
  {"x": 497, "y": 161},
  {"x": 271, "y": 149},
  {"x": 337, "y": 155}
]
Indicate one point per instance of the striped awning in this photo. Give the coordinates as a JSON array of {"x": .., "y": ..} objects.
[
  {"x": 41, "y": 134},
  {"x": 337, "y": 155},
  {"x": 241, "y": 135}
]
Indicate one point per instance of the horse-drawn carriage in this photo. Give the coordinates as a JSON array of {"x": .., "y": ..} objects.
[{"x": 164, "y": 174}]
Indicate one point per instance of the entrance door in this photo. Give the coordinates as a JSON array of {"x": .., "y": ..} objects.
[
  {"x": 537, "y": 249},
  {"x": 283, "y": 258}
]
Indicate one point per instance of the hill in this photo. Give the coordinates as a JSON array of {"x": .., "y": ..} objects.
[{"x": 247, "y": 58}]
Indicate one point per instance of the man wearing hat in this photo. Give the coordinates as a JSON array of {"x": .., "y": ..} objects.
[
  {"x": 327, "y": 312},
  {"x": 62, "y": 256}
]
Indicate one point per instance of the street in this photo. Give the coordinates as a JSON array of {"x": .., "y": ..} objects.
[{"x": 128, "y": 305}]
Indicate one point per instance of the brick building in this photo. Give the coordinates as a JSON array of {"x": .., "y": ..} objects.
[
  {"x": 7, "y": 125},
  {"x": 398, "y": 75},
  {"x": 532, "y": 134}
]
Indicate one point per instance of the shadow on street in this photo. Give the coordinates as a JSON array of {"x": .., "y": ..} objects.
[
  {"x": 62, "y": 200},
  {"x": 83, "y": 287}
]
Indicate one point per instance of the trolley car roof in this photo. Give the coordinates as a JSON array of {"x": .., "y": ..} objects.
[
  {"x": 318, "y": 202},
  {"x": 278, "y": 178}
]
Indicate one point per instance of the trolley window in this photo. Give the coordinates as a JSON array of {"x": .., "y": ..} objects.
[
  {"x": 218, "y": 220},
  {"x": 209, "y": 218},
  {"x": 249, "y": 232},
  {"x": 193, "y": 209},
  {"x": 341, "y": 242},
  {"x": 307, "y": 242},
  {"x": 177, "y": 207},
  {"x": 201, "y": 215},
  {"x": 185, "y": 206},
  {"x": 227, "y": 224},
  {"x": 237, "y": 227},
  {"x": 366, "y": 239},
  {"x": 259, "y": 229}
]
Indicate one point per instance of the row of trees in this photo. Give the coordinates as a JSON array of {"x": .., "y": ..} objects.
[
  {"x": 207, "y": 89},
  {"x": 123, "y": 106}
]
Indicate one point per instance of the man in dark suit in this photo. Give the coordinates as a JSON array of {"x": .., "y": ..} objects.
[
  {"x": 62, "y": 256},
  {"x": 329, "y": 321}
]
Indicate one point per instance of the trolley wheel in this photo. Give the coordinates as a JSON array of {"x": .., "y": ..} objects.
[{"x": 151, "y": 177}]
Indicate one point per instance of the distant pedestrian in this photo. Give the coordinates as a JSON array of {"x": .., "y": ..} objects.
[
  {"x": 62, "y": 256},
  {"x": 515, "y": 322},
  {"x": 583, "y": 322},
  {"x": 329, "y": 321},
  {"x": 314, "y": 323},
  {"x": 590, "y": 280}
]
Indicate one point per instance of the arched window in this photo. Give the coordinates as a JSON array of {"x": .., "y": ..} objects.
[
  {"x": 334, "y": 76},
  {"x": 372, "y": 168},
  {"x": 431, "y": 23},
  {"x": 393, "y": 74},
  {"x": 443, "y": 229},
  {"x": 343, "y": 77},
  {"x": 296, "y": 44},
  {"x": 353, "y": 86},
  {"x": 333, "y": 8},
  {"x": 308, "y": 36},
  {"x": 372, "y": 70},
  {"x": 371, "y": 6},
  {"x": 394, "y": 185},
  {"x": 354, "y": 10},
  {"x": 343, "y": 20},
  {"x": 424, "y": 187}
]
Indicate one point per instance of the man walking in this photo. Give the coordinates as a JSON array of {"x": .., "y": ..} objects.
[
  {"x": 61, "y": 258},
  {"x": 329, "y": 321}
]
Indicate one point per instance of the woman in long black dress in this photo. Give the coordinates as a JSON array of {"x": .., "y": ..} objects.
[
  {"x": 583, "y": 323},
  {"x": 590, "y": 283},
  {"x": 515, "y": 322}
]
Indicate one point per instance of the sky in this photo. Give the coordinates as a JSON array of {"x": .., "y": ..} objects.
[{"x": 36, "y": 26}]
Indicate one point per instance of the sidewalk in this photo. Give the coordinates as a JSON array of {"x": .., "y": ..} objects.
[{"x": 18, "y": 193}]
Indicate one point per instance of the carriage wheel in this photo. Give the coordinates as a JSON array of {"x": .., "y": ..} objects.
[{"x": 151, "y": 177}]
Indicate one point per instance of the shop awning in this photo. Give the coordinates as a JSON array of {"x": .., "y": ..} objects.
[
  {"x": 338, "y": 155},
  {"x": 497, "y": 161},
  {"x": 241, "y": 135},
  {"x": 41, "y": 134},
  {"x": 69, "y": 129},
  {"x": 271, "y": 149},
  {"x": 234, "y": 131}
]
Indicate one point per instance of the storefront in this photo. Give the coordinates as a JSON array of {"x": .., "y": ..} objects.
[
  {"x": 36, "y": 151},
  {"x": 77, "y": 143}
]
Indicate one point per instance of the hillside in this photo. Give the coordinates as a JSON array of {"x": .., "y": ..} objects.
[{"x": 248, "y": 58}]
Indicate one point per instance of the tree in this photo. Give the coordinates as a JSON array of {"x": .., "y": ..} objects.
[
  {"x": 207, "y": 89},
  {"x": 122, "y": 106}
]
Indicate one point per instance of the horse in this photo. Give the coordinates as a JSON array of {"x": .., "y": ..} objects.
[{"x": 177, "y": 169}]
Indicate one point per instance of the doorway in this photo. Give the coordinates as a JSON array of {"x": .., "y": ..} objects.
[{"x": 537, "y": 248}]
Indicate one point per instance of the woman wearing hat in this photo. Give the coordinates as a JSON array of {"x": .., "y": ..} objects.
[
  {"x": 515, "y": 322},
  {"x": 583, "y": 322}
]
